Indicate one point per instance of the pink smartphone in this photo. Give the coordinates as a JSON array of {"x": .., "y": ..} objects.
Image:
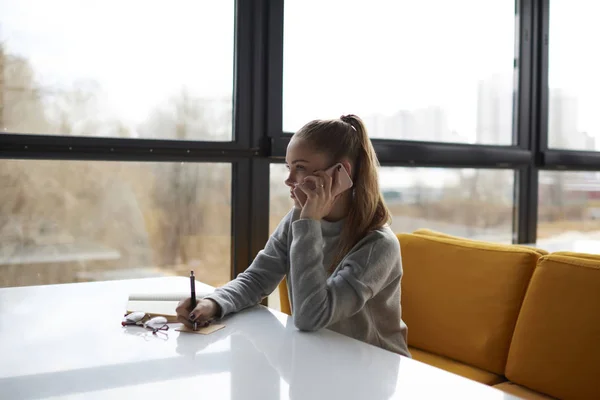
[{"x": 343, "y": 182}]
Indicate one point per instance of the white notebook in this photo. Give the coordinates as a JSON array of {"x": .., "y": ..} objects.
[{"x": 155, "y": 304}]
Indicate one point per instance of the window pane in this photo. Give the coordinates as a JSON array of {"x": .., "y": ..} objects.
[
  {"x": 569, "y": 207},
  {"x": 280, "y": 202},
  {"x": 424, "y": 70},
  {"x": 73, "y": 221},
  {"x": 118, "y": 69},
  {"x": 573, "y": 80},
  {"x": 472, "y": 203}
]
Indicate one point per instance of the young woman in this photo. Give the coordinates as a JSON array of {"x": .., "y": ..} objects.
[{"x": 340, "y": 258}]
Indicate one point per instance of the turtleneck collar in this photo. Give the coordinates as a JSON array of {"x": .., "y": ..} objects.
[{"x": 332, "y": 228}]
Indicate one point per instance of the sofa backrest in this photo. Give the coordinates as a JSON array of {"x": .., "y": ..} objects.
[
  {"x": 429, "y": 232},
  {"x": 461, "y": 299},
  {"x": 556, "y": 343},
  {"x": 593, "y": 257}
]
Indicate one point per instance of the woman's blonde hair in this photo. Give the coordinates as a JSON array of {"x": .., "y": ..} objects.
[{"x": 347, "y": 138}]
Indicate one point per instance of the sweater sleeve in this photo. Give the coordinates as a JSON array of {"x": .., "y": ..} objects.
[
  {"x": 321, "y": 300},
  {"x": 261, "y": 278}
]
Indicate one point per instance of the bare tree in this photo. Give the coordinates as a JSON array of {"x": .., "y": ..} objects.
[
  {"x": 484, "y": 202},
  {"x": 191, "y": 201},
  {"x": 186, "y": 117},
  {"x": 21, "y": 110},
  {"x": 21, "y": 97},
  {"x": 75, "y": 110}
]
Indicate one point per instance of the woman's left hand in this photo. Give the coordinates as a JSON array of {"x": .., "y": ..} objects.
[{"x": 319, "y": 200}]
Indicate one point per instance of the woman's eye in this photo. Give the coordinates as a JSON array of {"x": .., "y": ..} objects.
[{"x": 296, "y": 167}]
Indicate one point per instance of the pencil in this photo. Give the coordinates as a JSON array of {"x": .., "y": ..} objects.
[{"x": 193, "y": 295}]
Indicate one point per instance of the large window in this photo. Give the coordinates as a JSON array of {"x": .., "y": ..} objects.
[
  {"x": 72, "y": 221},
  {"x": 423, "y": 70},
  {"x": 120, "y": 69},
  {"x": 573, "y": 79},
  {"x": 103, "y": 202},
  {"x": 569, "y": 206}
]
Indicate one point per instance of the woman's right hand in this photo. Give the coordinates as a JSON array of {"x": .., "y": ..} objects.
[{"x": 205, "y": 311}]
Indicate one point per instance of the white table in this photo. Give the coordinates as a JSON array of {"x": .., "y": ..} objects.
[{"x": 66, "y": 341}]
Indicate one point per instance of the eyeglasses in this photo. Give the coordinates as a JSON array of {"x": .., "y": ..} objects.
[
  {"x": 139, "y": 318},
  {"x": 157, "y": 324}
]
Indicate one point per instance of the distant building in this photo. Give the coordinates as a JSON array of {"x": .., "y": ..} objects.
[
  {"x": 495, "y": 99},
  {"x": 568, "y": 188},
  {"x": 425, "y": 124},
  {"x": 431, "y": 123},
  {"x": 395, "y": 126},
  {"x": 563, "y": 121}
]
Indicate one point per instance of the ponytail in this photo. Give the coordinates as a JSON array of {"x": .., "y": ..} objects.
[{"x": 368, "y": 211}]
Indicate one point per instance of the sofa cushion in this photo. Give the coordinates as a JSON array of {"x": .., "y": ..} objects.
[
  {"x": 429, "y": 232},
  {"x": 556, "y": 344},
  {"x": 284, "y": 297},
  {"x": 456, "y": 367},
  {"x": 461, "y": 299},
  {"x": 520, "y": 391}
]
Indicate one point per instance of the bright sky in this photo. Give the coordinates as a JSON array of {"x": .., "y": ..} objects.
[
  {"x": 140, "y": 52},
  {"x": 574, "y": 64},
  {"x": 380, "y": 56},
  {"x": 351, "y": 56}
]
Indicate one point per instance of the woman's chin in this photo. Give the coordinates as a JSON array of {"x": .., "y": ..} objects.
[{"x": 297, "y": 203}]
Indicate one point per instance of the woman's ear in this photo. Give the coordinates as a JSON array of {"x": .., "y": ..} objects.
[{"x": 347, "y": 166}]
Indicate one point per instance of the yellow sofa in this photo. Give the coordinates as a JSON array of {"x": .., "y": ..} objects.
[
  {"x": 512, "y": 316},
  {"x": 554, "y": 344}
]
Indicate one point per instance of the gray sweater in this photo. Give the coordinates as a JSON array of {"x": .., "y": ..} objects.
[{"x": 360, "y": 299}]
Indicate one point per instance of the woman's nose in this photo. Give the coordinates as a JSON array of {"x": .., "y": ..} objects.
[{"x": 289, "y": 181}]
